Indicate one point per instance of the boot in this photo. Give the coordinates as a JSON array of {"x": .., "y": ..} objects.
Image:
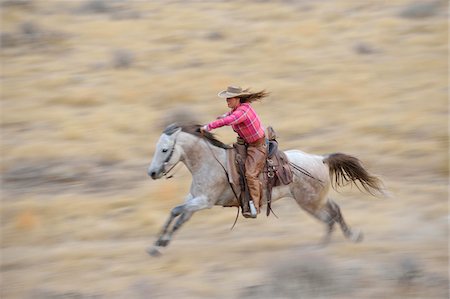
[
  {"x": 246, "y": 209},
  {"x": 249, "y": 209},
  {"x": 255, "y": 193}
]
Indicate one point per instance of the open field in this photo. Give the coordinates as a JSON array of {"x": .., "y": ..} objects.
[{"x": 88, "y": 85}]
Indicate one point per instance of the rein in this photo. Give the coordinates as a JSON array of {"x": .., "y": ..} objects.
[
  {"x": 228, "y": 180},
  {"x": 167, "y": 172}
]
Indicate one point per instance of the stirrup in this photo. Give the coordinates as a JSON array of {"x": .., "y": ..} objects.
[
  {"x": 247, "y": 215},
  {"x": 253, "y": 212}
]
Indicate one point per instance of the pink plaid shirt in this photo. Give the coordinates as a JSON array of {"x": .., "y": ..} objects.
[{"x": 244, "y": 121}]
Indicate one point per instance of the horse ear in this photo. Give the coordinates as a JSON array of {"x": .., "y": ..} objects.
[
  {"x": 172, "y": 129},
  {"x": 176, "y": 132}
]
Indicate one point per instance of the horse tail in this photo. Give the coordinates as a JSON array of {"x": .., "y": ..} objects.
[{"x": 347, "y": 169}]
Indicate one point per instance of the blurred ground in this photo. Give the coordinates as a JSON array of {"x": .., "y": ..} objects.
[{"x": 86, "y": 86}]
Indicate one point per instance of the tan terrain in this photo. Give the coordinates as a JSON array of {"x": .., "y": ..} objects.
[{"x": 88, "y": 85}]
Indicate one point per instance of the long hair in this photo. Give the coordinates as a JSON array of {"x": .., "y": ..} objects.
[{"x": 254, "y": 96}]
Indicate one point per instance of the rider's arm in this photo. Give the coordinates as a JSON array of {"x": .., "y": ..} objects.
[
  {"x": 223, "y": 115},
  {"x": 236, "y": 117}
]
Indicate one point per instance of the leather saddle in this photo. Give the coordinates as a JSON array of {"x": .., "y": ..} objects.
[{"x": 276, "y": 172}]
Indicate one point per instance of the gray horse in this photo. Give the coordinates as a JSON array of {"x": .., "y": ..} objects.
[{"x": 205, "y": 157}]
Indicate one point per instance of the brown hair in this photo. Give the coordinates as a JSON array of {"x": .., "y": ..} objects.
[{"x": 251, "y": 97}]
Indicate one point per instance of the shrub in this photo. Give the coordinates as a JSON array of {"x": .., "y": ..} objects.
[
  {"x": 302, "y": 276},
  {"x": 122, "y": 59},
  {"x": 17, "y": 3},
  {"x": 409, "y": 270},
  {"x": 8, "y": 39},
  {"x": 94, "y": 7},
  {"x": 420, "y": 10}
]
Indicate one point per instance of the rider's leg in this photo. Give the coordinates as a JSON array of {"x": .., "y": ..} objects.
[{"x": 254, "y": 164}]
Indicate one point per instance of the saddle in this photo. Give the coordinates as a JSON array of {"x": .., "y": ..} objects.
[{"x": 276, "y": 171}]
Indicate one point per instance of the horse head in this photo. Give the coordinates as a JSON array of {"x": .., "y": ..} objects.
[{"x": 167, "y": 153}]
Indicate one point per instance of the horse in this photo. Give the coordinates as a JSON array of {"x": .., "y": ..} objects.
[{"x": 205, "y": 158}]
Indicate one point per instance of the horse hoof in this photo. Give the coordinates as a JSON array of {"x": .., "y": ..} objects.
[
  {"x": 356, "y": 236},
  {"x": 153, "y": 251},
  {"x": 162, "y": 242}
]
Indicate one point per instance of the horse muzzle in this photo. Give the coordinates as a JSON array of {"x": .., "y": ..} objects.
[{"x": 155, "y": 174}]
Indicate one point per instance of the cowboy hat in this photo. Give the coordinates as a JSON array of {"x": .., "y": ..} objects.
[{"x": 231, "y": 92}]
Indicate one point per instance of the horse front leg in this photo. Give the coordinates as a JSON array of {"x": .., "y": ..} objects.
[
  {"x": 184, "y": 213},
  {"x": 177, "y": 211}
]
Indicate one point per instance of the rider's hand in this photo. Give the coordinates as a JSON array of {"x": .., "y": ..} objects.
[{"x": 203, "y": 129}]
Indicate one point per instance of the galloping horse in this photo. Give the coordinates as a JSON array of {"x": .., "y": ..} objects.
[{"x": 205, "y": 157}]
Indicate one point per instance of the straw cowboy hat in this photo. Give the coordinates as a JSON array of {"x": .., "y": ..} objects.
[{"x": 231, "y": 92}]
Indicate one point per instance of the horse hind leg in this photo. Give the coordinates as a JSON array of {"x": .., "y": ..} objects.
[
  {"x": 330, "y": 214},
  {"x": 323, "y": 209},
  {"x": 322, "y": 213},
  {"x": 314, "y": 207},
  {"x": 326, "y": 216},
  {"x": 336, "y": 215}
]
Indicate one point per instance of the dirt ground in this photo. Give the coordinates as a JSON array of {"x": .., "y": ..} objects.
[{"x": 87, "y": 87}]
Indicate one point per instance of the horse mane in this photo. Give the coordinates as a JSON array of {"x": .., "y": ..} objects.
[{"x": 194, "y": 129}]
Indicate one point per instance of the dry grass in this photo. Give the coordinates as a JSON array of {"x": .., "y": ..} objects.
[{"x": 86, "y": 87}]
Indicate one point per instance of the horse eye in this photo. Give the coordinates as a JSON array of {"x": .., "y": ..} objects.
[{"x": 164, "y": 150}]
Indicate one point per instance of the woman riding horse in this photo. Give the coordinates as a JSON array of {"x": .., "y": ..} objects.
[{"x": 247, "y": 124}]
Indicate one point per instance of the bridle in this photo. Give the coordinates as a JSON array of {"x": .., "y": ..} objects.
[
  {"x": 170, "y": 154},
  {"x": 166, "y": 161}
]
